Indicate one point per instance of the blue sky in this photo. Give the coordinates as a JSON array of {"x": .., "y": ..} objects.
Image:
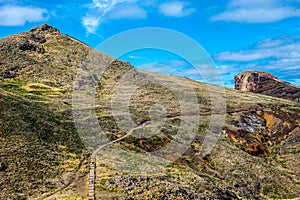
[{"x": 239, "y": 35}]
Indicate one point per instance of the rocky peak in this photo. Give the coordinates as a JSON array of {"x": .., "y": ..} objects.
[
  {"x": 266, "y": 83},
  {"x": 44, "y": 54},
  {"x": 44, "y": 28},
  {"x": 251, "y": 81},
  {"x": 41, "y": 49}
]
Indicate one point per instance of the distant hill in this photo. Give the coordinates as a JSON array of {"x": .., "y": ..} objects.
[
  {"x": 265, "y": 83},
  {"x": 43, "y": 157}
]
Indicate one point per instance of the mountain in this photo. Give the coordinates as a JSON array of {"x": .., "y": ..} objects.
[
  {"x": 44, "y": 156},
  {"x": 265, "y": 83}
]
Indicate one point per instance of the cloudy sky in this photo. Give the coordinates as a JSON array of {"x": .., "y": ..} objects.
[{"x": 239, "y": 35}]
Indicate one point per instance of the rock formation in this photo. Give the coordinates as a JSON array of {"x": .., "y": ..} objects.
[{"x": 265, "y": 83}]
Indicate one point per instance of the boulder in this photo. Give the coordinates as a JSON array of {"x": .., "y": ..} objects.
[{"x": 2, "y": 167}]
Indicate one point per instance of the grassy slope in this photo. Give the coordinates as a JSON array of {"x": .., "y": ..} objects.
[
  {"x": 227, "y": 171},
  {"x": 39, "y": 143},
  {"x": 38, "y": 146},
  {"x": 37, "y": 133}
]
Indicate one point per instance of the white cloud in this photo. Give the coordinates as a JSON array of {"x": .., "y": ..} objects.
[
  {"x": 158, "y": 68},
  {"x": 90, "y": 23},
  {"x": 101, "y": 10},
  {"x": 280, "y": 56},
  {"x": 176, "y": 9},
  {"x": 257, "y": 11},
  {"x": 242, "y": 56},
  {"x": 18, "y": 16},
  {"x": 127, "y": 11},
  {"x": 107, "y": 5},
  {"x": 290, "y": 50},
  {"x": 285, "y": 64},
  {"x": 258, "y": 15},
  {"x": 271, "y": 42},
  {"x": 176, "y": 63}
]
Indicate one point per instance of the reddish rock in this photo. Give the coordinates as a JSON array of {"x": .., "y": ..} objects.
[{"x": 267, "y": 84}]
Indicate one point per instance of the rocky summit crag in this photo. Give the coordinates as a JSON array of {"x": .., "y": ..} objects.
[
  {"x": 265, "y": 83},
  {"x": 42, "y": 156}
]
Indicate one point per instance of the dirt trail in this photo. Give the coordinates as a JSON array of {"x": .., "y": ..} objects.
[
  {"x": 74, "y": 181},
  {"x": 91, "y": 193}
]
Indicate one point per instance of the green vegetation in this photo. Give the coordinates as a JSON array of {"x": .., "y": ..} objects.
[{"x": 45, "y": 157}]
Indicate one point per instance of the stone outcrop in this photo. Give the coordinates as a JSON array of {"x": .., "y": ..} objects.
[
  {"x": 259, "y": 132},
  {"x": 265, "y": 83}
]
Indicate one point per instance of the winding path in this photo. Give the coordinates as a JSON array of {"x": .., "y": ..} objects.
[{"x": 91, "y": 193}]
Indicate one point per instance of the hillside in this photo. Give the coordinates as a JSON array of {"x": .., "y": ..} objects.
[
  {"x": 265, "y": 83},
  {"x": 256, "y": 156}
]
